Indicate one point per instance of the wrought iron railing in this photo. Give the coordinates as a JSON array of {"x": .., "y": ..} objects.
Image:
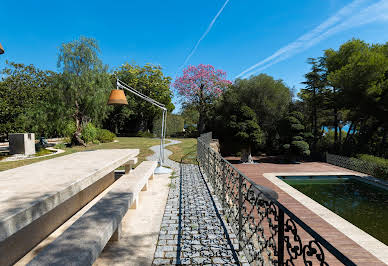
[{"x": 268, "y": 233}]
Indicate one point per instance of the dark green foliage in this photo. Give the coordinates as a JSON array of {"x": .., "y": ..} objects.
[
  {"x": 236, "y": 124},
  {"x": 89, "y": 133},
  {"x": 82, "y": 89},
  {"x": 300, "y": 148},
  {"x": 348, "y": 87},
  {"x": 104, "y": 135},
  {"x": 263, "y": 100},
  {"x": 139, "y": 114},
  {"x": 380, "y": 165},
  {"x": 244, "y": 126},
  {"x": 62, "y": 104},
  {"x": 69, "y": 129},
  {"x": 297, "y": 138},
  {"x": 24, "y": 94},
  {"x": 175, "y": 125},
  {"x": 267, "y": 97},
  {"x": 292, "y": 133}
]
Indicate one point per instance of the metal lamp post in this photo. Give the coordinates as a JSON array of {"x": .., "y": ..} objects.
[{"x": 117, "y": 97}]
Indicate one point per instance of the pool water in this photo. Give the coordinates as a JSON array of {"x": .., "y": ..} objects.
[{"x": 360, "y": 203}]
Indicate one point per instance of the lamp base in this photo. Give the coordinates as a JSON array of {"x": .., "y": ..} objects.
[{"x": 162, "y": 170}]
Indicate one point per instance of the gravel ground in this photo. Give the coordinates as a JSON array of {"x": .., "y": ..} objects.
[{"x": 192, "y": 230}]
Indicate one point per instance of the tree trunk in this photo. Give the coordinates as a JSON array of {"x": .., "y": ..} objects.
[
  {"x": 246, "y": 156},
  {"x": 201, "y": 123},
  {"x": 335, "y": 122},
  {"x": 76, "y": 139},
  {"x": 348, "y": 134},
  {"x": 383, "y": 142},
  {"x": 202, "y": 111}
]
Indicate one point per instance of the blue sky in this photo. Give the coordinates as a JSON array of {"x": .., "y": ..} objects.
[{"x": 164, "y": 32}]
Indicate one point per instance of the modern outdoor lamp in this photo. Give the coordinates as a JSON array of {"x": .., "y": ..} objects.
[
  {"x": 117, "y": 97},
  {"x": 1, "y": 49}
]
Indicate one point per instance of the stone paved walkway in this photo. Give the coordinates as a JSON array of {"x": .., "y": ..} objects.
[{"x": 192, "y": 230}]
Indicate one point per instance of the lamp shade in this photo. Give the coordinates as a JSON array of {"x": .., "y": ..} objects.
[
  {"x": 1, "y": 49},
  {"x": 117, "y": 97}
]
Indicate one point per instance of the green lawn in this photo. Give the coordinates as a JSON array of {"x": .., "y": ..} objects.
[
  {"x": 185, "y": 151},
  {"x": 123, "y": 143}
]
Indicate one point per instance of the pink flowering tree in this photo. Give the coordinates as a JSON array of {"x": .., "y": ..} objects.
[{"x": 200, "y": 86}]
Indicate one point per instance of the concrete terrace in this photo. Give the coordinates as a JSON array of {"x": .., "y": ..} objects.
[{"x": 178, "y": 220}]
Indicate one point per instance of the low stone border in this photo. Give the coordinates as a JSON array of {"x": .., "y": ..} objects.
[
  {"x": 19, "y": 157},
  {"x": 366, "y": 241}
]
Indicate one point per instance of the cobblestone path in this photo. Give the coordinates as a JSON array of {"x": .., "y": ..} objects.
[{"x": 192, "y": 231}]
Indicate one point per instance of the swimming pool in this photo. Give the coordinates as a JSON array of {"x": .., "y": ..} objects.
[{"x": 362, "y": 204}]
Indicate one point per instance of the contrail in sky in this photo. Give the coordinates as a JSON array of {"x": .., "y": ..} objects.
[
  {"x": 350, "y": 16},
  {"x": 204, "y": 34}
]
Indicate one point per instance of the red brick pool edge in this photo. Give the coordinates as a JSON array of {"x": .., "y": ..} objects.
[{"x": 347, "y": 246}]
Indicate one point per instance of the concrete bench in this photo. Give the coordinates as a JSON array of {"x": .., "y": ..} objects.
[
  {"x": 82, "y": 242},
  {"x": 36, "y": 199}
]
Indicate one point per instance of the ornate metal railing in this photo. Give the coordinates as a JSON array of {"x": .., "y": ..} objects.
[{"x": 268, "y": 233}]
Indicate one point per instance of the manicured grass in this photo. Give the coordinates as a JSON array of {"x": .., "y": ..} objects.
[
  {"x": 123, "y": 143},
  {"x": 185, "y": 152},
  {"x": 43, "y": 152}
]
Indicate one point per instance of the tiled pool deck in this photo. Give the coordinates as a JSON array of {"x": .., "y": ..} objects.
[{"x": 314, "y": 216}]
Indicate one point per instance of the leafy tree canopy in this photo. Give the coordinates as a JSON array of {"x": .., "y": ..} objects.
[
  {"x": 139, "y": 114},
  {"x": 24, "y": 92},
  {"x": 83, "y": 87}
]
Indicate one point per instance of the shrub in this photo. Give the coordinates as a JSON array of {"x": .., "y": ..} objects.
[
  {"x": 380, "y": 169},
  {"x": 60, "y": 146},
  {"x": 300, "y": 148},
  {"x": 145, "y": 134},
  {"x": 297, "y": 138},
  {"x": 69, "y": 129},
  {"x": 104, "y": 135},
  {"x": 89, "y": 133}
]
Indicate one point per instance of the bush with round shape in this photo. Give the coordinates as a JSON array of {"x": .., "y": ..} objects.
[{"x": 104, "y": 136}]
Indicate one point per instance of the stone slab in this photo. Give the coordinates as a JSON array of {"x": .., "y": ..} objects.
[
  {"x": 82, "y": 243},
  {"x": 140, "y": 229},
  {"x": 22, "y": 143},
  {"x": 28, "y": 192}
]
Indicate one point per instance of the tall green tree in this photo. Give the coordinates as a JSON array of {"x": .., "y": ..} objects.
[
  {"x": 292, "y": 133},
  {"x": 139, "y": 114},
  {"x": 268, "y": 98},
  {"x": 82, "y": 89},
  {"x": 313, "y": 94},
  {"x": 24, "y": 94},
  {"x": 361, "y": 78},
  {"x": 237, "y": 123}
]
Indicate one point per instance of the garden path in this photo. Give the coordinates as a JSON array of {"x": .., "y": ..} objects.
[{"x": 192, "y": 230}]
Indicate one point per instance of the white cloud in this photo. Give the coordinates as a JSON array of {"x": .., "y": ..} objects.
[{"x": 353, "y": 15}]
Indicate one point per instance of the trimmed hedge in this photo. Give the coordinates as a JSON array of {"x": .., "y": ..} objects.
[{"x": 380, "y": 165}]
